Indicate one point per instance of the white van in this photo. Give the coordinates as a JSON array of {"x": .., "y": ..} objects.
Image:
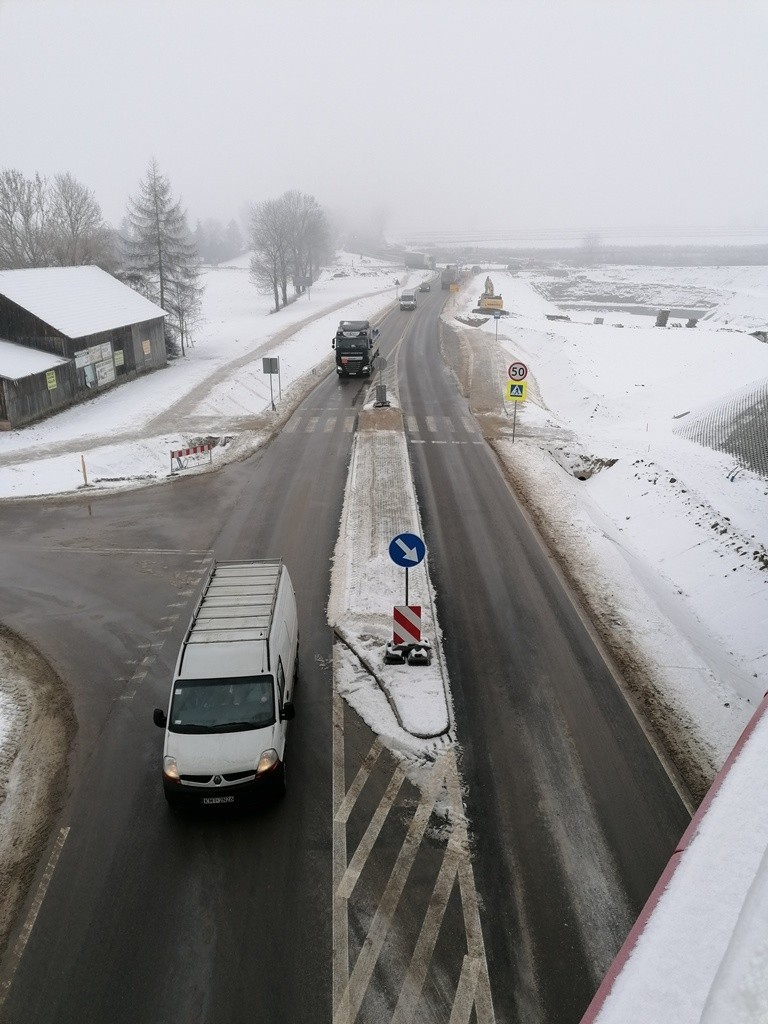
[
  {"x": 408, "y": 300},
  {"x": 232, "y": 691}
]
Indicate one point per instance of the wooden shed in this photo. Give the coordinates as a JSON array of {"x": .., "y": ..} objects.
[{"x": 99, "y": 332}]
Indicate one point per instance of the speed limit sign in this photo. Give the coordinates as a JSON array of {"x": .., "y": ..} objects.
[{"x": 518, "y": 371}]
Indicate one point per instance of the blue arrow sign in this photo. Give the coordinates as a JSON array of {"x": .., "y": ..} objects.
[{"x": 407, "y": 550}]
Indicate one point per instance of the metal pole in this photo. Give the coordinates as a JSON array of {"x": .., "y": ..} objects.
[
  {"x": 406, "y": 585},
  {"x": 279, "y": 383},
  {"x": 496, "y": 321},
  {"x": 272, "y": 397},
  {"x": 514, "y": 423}
]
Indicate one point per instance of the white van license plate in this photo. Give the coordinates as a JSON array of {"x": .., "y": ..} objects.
[{"x": 218, "y": 799}]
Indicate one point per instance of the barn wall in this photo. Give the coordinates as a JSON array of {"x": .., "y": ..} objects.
[
  {"x": 99, "y": 361},
  {"x": 38, "y": 395}
]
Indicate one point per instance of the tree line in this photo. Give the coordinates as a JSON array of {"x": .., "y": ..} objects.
[{"x": 59, "y": 222}]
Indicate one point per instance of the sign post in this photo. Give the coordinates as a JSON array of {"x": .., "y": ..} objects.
[
  {"x": 496, "y": 318},
  {"x": 517, "y": 389},
  {"x": 270, "y": 365},
  {"x": 407, "y": 550}
]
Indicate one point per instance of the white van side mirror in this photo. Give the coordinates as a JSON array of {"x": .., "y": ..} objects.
[{"x": 287, "y": 712}]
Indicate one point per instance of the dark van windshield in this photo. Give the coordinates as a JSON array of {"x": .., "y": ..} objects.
[{"x": 222, "y": 705}]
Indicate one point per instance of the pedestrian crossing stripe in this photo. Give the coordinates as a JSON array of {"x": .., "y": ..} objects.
[{"x": 517, "y": 391}]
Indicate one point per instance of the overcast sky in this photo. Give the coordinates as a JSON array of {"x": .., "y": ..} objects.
[{"x": 466, "y": 115}]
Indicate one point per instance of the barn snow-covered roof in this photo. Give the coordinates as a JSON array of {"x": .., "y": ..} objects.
[
  {"x": 77, "y": 301},
  {"x": 17, "y": 361}
]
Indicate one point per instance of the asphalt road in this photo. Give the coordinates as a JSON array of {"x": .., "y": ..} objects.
[
  {"x": 158, "y": 919},
  {"x": 148, "y": 917},
  {"x": 572, "y": 814}
]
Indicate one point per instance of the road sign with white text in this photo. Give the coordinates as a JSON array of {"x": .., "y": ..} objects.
[{"x": 517, "y": 392}]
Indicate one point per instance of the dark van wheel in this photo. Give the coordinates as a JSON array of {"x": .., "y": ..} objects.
[
  {"x": 281, "y": 782},
  {"x": 173, "y": 803}
]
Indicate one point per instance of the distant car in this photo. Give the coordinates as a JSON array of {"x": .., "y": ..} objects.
[{"x": 424, "y": 286}]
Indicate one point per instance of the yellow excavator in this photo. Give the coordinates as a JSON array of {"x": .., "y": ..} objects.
[{"x": 489, "y": 301}]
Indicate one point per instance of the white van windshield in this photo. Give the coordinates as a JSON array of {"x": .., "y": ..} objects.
[{"x": 222, "y": 705}]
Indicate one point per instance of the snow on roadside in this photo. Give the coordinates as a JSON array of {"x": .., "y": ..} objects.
[{"x": 666, "y": 543}]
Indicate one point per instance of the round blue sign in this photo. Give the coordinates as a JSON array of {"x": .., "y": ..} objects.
[{"x": 407, "y": 550}]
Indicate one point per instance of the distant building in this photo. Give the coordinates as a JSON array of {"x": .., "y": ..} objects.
[{"x": 67, "y": 333}]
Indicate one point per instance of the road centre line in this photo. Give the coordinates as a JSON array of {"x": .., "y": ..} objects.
[
  {"x": 363, "y": 772},
  {"x": 366, "y": 844},
  {"x": 34, "y": 910},
  {"x": 362, "y": 972}
]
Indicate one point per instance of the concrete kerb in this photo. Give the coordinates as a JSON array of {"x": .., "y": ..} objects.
[{"x": 378, "y": 428}]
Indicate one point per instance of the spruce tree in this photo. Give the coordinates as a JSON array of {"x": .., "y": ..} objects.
[{"x": 160, "y": 251}]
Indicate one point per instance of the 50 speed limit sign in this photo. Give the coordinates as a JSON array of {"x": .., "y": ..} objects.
[{"x": 518, "y": 371}]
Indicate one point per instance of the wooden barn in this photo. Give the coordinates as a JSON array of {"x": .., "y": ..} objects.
[{"x": 66, "y": 333}]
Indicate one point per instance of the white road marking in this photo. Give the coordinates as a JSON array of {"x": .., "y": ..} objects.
[
  {"x": 382, "y": 919},
  {"x": 465, "y": 991},
  {"x": 431, "y": 424},
  {"x": 361, "y": 854},
  {"x": 340, "y": 920},
  {"x": 342, "y": 814},
  {"x": 413, "y": 425},
  {"x": 34, "y": 910},
  {"x": 330, "y": 426},
  {"x": 349, "y": 424},
  {"x": 291, "y": 425},
  {"x": 349, "y": 989},
  {"x": 449, "y": 424},
  {"x": 311, "y": 426},
  {"x": 410, "y": 993},
  {"x": 65, "y": 548},
  {"x": 475, "y": 943}
]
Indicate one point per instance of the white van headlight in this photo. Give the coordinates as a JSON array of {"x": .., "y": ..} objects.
[
  {"x": 267, "y": 761},
  {"x": 171, "y": 769}
]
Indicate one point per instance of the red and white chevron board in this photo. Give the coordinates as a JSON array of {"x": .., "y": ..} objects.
[
  {"x": 199, "y": 449},
  {"x": 406, "y": 624}
]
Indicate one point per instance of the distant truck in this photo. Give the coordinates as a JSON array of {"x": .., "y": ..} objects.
[
  {"x": 231, "y": 696},
  {"x": 419, "y": 261},
  {"x": 356, "y": 344},
  {"x": 449, "y": 276}
]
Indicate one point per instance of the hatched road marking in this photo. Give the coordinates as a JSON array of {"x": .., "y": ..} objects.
[{"x": 351, "y": 982}]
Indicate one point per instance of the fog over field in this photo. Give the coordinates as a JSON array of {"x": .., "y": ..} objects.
[{"x": 588, "y": 116}]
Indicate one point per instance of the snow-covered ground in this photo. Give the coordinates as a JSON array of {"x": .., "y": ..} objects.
[{"x": 661, "y": 537}]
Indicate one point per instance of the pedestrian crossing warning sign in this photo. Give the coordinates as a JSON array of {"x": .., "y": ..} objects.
[{"x": 517, "y": 391}]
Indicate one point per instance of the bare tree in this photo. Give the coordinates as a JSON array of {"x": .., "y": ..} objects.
[
  {"x": 307, "y": 230},
  {"x": 184, "y": 306},
  {"x": 25, "y": 236},
  {"x": 270, "y": 248},
  {"x": 159, "y": 249},
  {"x": 79, "y": 235}
]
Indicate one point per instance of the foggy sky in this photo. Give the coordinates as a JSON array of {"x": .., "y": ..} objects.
[{"x": 436, "y": 114}]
